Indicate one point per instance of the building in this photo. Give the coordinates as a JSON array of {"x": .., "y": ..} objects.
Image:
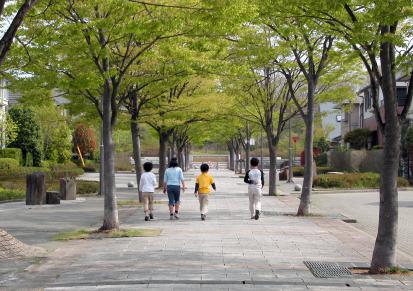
[
  {"x": 329, "y": 120},
  {"x": 360, "y": 113}
]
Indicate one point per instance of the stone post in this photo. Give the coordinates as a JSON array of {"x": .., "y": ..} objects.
[
  {"x": 35, "y": 189},
  {"x": 67, "y": 189}
]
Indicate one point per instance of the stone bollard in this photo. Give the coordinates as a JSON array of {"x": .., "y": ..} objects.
[
  {"x": 67, "y": 189},
  {"x": 52, "y": 197},
  {"x": 35, "y": 189}
]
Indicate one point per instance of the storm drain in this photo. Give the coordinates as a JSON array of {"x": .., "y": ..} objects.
[{"x": 327, "y": 269}]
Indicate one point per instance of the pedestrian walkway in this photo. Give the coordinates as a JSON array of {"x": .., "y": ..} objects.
[{"x": 228, "y": 251}]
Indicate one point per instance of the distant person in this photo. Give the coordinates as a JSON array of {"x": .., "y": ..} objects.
[
  {"x": 202, "y": 189},
  {"x": 255, "y": 180},
  {"x": 173, "y": 179},
  {"x": 147, "y": 186}
]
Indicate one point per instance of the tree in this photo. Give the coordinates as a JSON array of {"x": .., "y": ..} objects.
[
  {"x": 84, "y": 138},
  {"x": 8, "y": 130},
  {"x": 28, "y": 134},
  {"x": 358, "y": 138},
  {"x": 379, "y": 32}
]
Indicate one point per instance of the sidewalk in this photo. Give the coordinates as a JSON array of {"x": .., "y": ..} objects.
[{"x": 228, "y": 251}]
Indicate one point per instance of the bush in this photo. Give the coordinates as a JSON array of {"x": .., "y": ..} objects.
[
  {"x": 12, "y": 153},
  {"x": 90, "y": 166},
  {"x": 87, "y": 187},
  {"x": 68, "y": 169},
  {"x": 377, "y": 147},
  {"x": 353, "y": 180},
  {"x": 321, "y": 160},
  {"x": 299, "y": 171},
  {"x": 358, "y": 138},
  {"x": 7, "y": 194},
  {"x": 21, "y": 172},
  {"x": 7, "y": 164}
]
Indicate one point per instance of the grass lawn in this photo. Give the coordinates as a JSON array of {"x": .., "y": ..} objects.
[{"x": 93, "y": 234}]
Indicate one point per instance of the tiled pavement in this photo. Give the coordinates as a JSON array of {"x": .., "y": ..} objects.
[{"x": 229, "y": 251}]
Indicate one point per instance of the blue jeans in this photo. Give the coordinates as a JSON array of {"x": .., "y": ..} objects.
[{"x": 174, "y": 192}]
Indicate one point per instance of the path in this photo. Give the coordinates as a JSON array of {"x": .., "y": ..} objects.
[{"x": 228, "y": 251}]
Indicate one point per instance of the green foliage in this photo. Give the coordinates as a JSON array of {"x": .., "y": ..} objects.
[
  {"x": 409, "y": 136},
  {"x": 90, "y": 166},
  {"x": 55, "y": 133},
  {"x": 8, "y": 130},
  {"x": 377, "y": 147},
  {"x": 21, "y": 172},
  {"x": 353, "y": 180},
  {"x": 12, "y": 153},
  {"x": 28, "y": 133},
  {"x": 321, "y": 160},
  {"x": 299, "y": 171},
  {"x": 8, "y": 194},
  {"x": 68, "y": 169},
  {"x": 87, "y": 187},
  {"x": 322, "y": 144},
  {"x": 8, "y": 164},
  {"x": 358, "y": 138}
]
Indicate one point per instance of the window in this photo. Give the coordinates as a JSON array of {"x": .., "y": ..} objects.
[
  {"x": 367, "y": 100},
  {"x": 401, "y": 96}
]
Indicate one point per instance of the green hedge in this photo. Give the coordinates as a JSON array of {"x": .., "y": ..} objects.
[
  {"x": 56, "y": 171},
  {"x": 7, "y": 164},
  {"x": 68, "y": 169},
  {"x": 12, "y": 153},
  {"x": 7, "y": 194},
  {"x": 90, "y": 166},
  {"x": 87, "y": 187},
  {"x": 353, "y": 180},
  {"x": 299, "y": 171}
]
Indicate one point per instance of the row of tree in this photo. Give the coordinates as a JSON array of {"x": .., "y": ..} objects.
[{"x": 276, "y": 57}]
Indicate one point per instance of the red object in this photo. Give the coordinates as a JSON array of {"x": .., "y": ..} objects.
[
  {"x": 84, "y": 138},
  {"x": 295, "y": 139}
]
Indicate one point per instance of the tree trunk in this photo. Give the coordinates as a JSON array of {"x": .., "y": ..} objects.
[
  {"x": 163, "y": 138},
  {"x": 231, "y": 157},
  {"x": 136, "y": 144},
  {"x": 110, "y": 218},
  {"x": 181, "y": 160},
  {"x": 187, "y": 157},
  {"x": 304, "y": 207},
  {"x": 384, "y": 254},
  {"x": 272, "y": 181}
]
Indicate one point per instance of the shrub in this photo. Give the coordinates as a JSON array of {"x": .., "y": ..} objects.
[
  {"x": 299, "y": 171},
  {"x": 12, "y": 153},
  {"x": 353, "y": 180},
  {"x": 7, "y": 164},
  {"x": 321, "y": 160},
  {"x": 90, "y": 166},
  {"x": 21, "y": 172},
  {"x": 358, "y": 138},
  {"x": 84, "y": 138},
  {"x": 68, "y": 169},
  {"x": 377, "y": 147},
  {"x": 87, "y": 187},
  {"x": 7, "y": 194}
]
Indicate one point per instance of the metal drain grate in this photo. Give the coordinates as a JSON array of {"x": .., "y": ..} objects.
[{"x": 327, "y": 269}]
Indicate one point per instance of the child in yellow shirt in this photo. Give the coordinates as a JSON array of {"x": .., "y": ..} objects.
[{"x": 202, "y": 189}]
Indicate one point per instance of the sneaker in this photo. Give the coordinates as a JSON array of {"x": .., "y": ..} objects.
[
  {"x": 176, "y": 215},
  {"x": 171, "y": 216},
  {"x": 203, "y": 216},
  {"x": 257, "y": 215},
  {"x": 150, "y": 215},
  {"x": 146, "y": 218}
]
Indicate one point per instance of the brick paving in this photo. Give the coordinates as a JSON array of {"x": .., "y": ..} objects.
[{"x": 228, "y": 251}]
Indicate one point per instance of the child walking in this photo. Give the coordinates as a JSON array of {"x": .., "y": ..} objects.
[
  {"x": 202, "y": 188},
  {"x": 255, "y": 180},
  {"x": 147, "y": 186}
]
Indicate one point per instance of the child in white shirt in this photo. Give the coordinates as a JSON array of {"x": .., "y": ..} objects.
[{"x": 147, "y": 188}]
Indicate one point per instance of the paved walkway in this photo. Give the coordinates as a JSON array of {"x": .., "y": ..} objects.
[{"x": 229, "y": 251}]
